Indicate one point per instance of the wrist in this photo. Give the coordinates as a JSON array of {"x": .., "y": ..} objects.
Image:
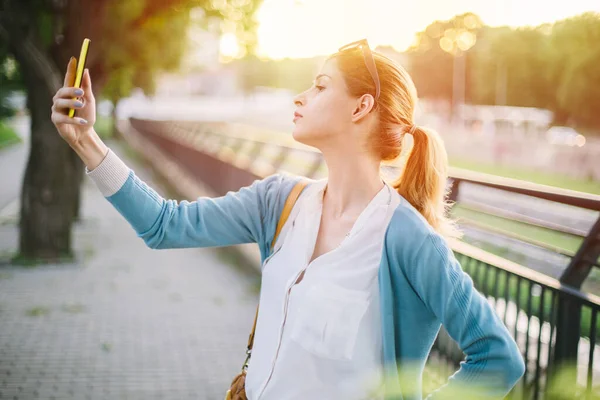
[{"x": 91, "y": 149}]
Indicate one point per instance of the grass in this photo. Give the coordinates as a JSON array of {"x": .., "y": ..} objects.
[
  {"x": 88, "y": 252},
  {"x": 73, "y": 308},
  {"x": 543, "y": 178},
  {"x": 563, "y": 241},
  {"x": 569, "y": 244},
  {"x": 23, "y": 261},
  {"x": 103, "y": 126},
  {"x": 563, "y": 383},
  {"x": 37, "y": 311},
  {"x": 5, "y": 275},
  {"x": 7, "y": 135}
]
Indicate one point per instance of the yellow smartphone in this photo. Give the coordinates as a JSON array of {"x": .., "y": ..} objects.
[{"x": 80, "y": 68}]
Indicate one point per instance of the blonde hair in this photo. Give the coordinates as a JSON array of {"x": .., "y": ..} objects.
[{"x": 423, "y": 178}]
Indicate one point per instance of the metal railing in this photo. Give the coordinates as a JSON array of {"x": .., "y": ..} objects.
[
  {"x": 528, "y": 303},
  {"x": 554, "y": 323}
]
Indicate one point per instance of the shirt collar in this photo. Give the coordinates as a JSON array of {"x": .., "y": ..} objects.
[{"x": 381, "y": 199}]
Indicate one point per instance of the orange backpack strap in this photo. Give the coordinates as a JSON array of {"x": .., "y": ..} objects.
[
  {"x": 287, "y": 208},
  {"x": 285, "y": 213}
]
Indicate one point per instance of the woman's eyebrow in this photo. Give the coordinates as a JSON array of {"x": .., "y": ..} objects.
[{"x": 322, "y": 75}]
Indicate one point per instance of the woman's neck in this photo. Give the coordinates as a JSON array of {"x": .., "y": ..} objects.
[{"x": 352, "y": 183}]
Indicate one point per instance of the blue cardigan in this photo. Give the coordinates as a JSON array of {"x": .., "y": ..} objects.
[{"x": 422, "y": 285}]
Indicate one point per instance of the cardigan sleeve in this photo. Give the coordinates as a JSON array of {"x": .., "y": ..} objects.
[
  {"x": 493, "y": 363},
  {"x": 235, "y": 218}
]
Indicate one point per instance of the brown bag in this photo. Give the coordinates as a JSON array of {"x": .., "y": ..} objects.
[{"x": 237, "y": 390}]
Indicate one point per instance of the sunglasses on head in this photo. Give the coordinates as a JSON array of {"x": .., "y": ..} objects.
[{"x": 369, "y": 60}]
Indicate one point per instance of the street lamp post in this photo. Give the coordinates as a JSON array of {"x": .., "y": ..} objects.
[
  {"x": 500, "y": 82},
  {"x": 457, "y": 42},
  {"x": 458, "y": 85}
]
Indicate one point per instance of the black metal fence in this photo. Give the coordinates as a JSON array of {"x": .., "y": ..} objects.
[{"x": 555, "y": 324}]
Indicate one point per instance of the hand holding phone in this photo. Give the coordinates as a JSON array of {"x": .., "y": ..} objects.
[
  {"x": 80, "y": 68},
  {"x": 74, "y": 105},
  {"x": 76, "y": 94}
]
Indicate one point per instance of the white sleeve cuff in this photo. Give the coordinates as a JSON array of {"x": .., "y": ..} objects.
[{"x": 110, "y": 175}]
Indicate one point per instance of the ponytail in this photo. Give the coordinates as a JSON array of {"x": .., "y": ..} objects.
[{"x": 422, "y": 180}]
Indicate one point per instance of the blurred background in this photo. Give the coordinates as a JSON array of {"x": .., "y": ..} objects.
[{"x": 196, "y": 96}]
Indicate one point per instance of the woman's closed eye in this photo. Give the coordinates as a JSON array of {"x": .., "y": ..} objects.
[{"x": 320, "y": 88}]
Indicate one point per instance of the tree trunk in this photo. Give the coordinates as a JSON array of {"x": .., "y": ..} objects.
[
  {"x": 49, "y": 195},
  {"x": 79, "y": 170},
  {"x": 50, "y": 185}
]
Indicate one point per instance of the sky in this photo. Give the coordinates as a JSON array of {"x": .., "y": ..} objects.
[{"x": 305, "y": 28}]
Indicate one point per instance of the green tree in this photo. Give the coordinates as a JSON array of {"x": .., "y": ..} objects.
[
  {"x": 11, "y": 81},
  {"x": 135, "y": 57},
  {"x": 130, "y": 42},
  {"x": 430, "y": 66},
  {"x": 432, "y": 56},
  {"x": 579, "y": 92},
  {"x": 574, "y": 43},
  {"x": 552, "y": 66},
  {"x": 508, "y": 68}
]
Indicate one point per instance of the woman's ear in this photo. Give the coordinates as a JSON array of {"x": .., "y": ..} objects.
[{"x": 364, "y": 105}]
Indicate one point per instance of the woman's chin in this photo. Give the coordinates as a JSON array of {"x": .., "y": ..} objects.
[
  {"x": 298, "y": 135},
  {"x": 308, "y": 138}
]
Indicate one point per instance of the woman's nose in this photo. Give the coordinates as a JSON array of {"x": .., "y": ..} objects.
[{"x": 299, "y": 100}]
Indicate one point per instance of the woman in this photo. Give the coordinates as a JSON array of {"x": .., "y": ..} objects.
[{"x": 361, "y": 277}]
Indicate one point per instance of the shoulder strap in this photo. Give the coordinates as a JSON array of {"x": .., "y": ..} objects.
[
  {"x": 285, "y": 213},
  {"x": 287, "y": 208}
]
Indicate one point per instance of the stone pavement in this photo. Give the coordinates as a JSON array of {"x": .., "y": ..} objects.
[{"x": 124, "y": 321}]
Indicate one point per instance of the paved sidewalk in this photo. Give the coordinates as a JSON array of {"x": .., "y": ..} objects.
[{"x": 124, "y": 322}]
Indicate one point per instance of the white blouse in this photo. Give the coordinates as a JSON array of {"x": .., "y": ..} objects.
[{"x": 321, "y": 338}]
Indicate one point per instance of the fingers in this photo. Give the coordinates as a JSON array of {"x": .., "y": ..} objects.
[
  {"x": 71, "y": 72},
  {"x": 58, "y": 118},
  {"x": 68, "y": 93},
  {"x": 61, "y": 107},
  {"x": 71, "y": 93},
  {"x": 86, "y": 85},
  {"x": 60, "y": 104}
]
